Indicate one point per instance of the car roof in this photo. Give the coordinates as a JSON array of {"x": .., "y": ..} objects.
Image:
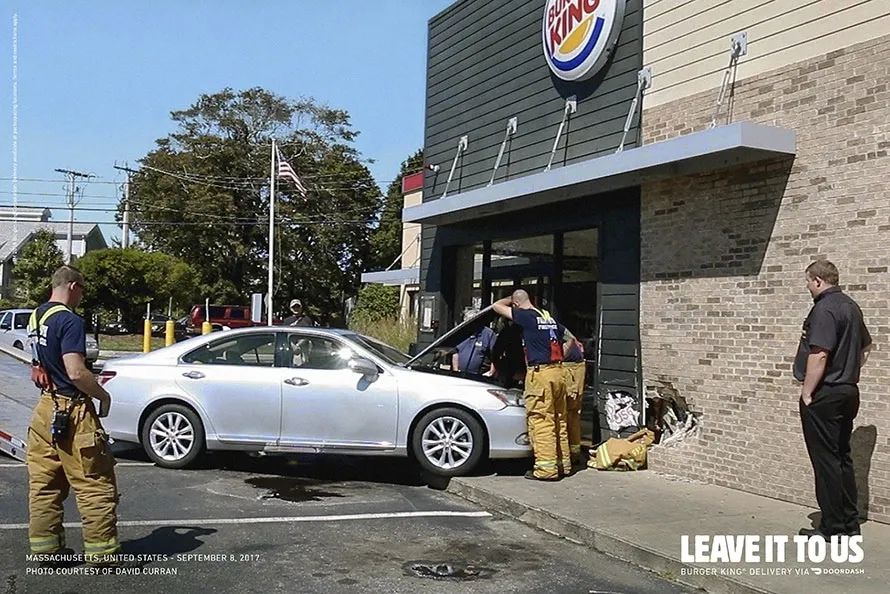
[{"x": 15, "y": 311}]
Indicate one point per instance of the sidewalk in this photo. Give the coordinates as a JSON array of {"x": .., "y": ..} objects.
[{"x": 641, "y": 516}]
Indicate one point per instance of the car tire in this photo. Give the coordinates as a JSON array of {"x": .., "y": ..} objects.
[
  {"x": 446, "y": 436},
  {"x": 18, "y": 345},
  {"x": 164, "y": 450}
]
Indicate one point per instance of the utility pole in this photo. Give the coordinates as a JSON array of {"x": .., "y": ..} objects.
[
  {"x": 125, "y": 236},
  {"x": 72, "y": 190}
]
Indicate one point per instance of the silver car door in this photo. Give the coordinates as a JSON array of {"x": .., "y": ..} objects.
[
  {"x": 235, "y": 381},
  {"x": 325, "y": 402}
]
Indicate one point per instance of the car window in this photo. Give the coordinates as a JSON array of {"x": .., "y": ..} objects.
[
  {"x": 236, "y": 314},
  {"x": 21, "y": 320},
  {"x": 318, "y": 352},
  {"x": 217, "y": 312},
  {"x": 247, "y": 350},
  {"x": 4, "y": 321}
]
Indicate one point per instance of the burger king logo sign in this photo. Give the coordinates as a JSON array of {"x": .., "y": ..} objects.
[{"x": 579, "y": 35}]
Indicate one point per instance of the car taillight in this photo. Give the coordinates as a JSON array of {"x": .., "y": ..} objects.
[{"x": 104, "y": 376}]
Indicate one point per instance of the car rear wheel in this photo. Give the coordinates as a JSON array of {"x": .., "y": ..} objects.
[
  {"x": 173, "y": 436},
  {"x": 448, "y": 442}
]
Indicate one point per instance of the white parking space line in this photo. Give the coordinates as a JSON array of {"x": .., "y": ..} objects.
[
  {"x": 23, "y": 465},
  {"x": 281, "y": 519}
]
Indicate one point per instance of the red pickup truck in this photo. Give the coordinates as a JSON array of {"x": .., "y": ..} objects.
[{"x": 232, "y": 316}]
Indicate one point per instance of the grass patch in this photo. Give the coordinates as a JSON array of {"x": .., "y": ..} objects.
[
  {"x": 127, "y": 342},
  {"x": 393, "y": 331}
]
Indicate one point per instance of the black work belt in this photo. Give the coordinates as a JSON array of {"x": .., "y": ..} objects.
[
  {"x": 540, "y": 366},
  {"x": 75, "y": 398}
]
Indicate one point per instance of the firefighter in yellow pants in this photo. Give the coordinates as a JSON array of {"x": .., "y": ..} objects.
[
  {"x": 81, "y": 460},
  {"x": 575, "y": 370},
  {"x": 67, "y": 447},
  {"x": 545, "y": 408},
  {"x": 545, "y": 388}
]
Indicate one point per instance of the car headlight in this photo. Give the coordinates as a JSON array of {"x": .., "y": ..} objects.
[{"x": 509, "y": 397}]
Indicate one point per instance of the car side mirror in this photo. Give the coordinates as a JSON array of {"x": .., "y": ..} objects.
[{"x": 366, "y": 367}]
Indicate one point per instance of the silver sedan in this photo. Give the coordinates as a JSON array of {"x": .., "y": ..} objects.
[{"x": 307, "y": 390}]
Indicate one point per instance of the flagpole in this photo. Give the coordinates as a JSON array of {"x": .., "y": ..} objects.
[{"x": 269, "y": 300}]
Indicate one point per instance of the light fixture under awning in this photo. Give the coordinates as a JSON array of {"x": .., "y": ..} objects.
[{"x": 708, "y": 150}]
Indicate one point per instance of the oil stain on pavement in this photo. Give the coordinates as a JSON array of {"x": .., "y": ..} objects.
[{"x": 294, "y": 489}]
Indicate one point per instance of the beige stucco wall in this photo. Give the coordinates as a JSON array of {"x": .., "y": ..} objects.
[
  {"x": 686, "y": 42},
  {"x": 411, "y": 233}
]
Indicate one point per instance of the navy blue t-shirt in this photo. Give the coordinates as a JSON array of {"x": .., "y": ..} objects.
[
  {"x": 541, "y": 336},
  {"x": 474, "y": 350},
  {"x": 64, "y": 332}
]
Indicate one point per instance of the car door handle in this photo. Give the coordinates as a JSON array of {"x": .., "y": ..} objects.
[
  {"x": 296, "y": 381},
  {"x": 193, "y": 375}
]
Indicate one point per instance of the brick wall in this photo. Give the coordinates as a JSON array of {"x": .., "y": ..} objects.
[{"x": 723, "y": 254}]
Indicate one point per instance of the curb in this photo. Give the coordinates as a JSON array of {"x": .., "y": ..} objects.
[
  {"x": 16, "y": 354},
  {"x": 602, "y": 542}
]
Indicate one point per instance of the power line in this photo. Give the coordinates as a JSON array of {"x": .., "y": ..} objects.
[{"x": 225, "y": 223}]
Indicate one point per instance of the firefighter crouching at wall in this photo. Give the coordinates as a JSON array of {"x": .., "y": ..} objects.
[
  {"x": 575, "y": 370},
  {"x": 545, "y": 385},
  {"x": 67, "y": 447}
]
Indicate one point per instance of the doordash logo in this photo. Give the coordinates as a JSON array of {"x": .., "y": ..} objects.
[{"x": 580, "y": 35}]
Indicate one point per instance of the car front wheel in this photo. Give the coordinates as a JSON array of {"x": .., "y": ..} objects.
[
  {"x": 173, "y": 436},
  {"x": 448, "y": 442}
]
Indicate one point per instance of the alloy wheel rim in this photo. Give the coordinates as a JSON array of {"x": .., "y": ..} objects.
[
  {"x": 447, "y": 442},
  {"x": 172, "y": 436}
]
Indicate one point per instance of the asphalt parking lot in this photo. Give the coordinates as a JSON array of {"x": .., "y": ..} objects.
[{"x": 243, "y": 524}]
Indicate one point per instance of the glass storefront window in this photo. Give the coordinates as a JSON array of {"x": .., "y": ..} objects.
[
  {"x": 580, "y": 274},
  {"x": 526, "y": 262}
]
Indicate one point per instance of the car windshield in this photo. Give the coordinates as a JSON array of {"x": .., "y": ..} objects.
[{"x": 384, "y": 351}]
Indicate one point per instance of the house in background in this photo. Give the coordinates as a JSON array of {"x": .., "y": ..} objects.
[
  {"x": 18, "y": 227},
  {"x": 407, "y": 275}
]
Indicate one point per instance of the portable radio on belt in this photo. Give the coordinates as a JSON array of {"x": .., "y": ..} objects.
[{"x": 60, "y": 425}]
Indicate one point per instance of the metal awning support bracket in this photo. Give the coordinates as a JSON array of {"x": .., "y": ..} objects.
[
  {"x": 570, "y": 108},
  {"x": 461, "y": 147},
  {"x": 738, "y": 45},
  {"x": 644, "y": 81},
  {"x": 512, "y": 124}
]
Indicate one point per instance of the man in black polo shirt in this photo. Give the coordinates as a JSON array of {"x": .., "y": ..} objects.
[
  {"x": 833, "y": 346},
  {"x": 545, "y": 385}
]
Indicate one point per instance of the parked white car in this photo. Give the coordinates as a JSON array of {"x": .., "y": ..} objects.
[
  {"x": 14, "y": 328},
  {"x": 307, "y": 390}
]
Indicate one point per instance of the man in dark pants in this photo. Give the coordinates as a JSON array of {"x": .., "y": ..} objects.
[{"x": 833, "y": 346}]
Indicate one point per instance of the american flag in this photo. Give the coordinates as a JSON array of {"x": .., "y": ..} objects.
[{"x": 285, "y": 171}]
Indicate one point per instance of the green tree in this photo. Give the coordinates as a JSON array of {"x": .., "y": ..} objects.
[
  {"x": 34, "y": 268},
  {"x": 125, "y": 280},
  {"x": 386, "y": 241},
  {"x": 202, "y": 196},
  {"x": 376, "y": 302}
]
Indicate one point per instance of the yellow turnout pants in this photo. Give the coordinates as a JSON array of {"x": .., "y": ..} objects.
[
  {"x": 545, "y": 408},
  {"x": 81, "y": 460},
  {"x": 575, "y": 389}
]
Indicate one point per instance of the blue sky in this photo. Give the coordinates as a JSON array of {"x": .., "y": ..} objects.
[{"x": 97, "y": 79}]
